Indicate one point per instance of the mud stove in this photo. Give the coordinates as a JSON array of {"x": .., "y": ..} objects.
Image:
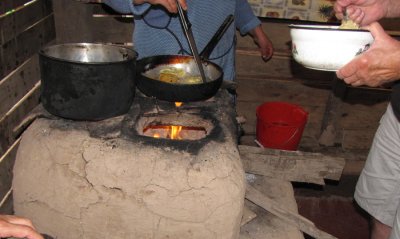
[{"x": 160, "y": 171}]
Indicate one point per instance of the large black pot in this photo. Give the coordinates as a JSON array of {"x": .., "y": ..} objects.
[{"x": 84, "y": 81}]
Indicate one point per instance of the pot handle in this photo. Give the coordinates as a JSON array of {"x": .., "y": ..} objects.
[{"x": 206, "y": 52}]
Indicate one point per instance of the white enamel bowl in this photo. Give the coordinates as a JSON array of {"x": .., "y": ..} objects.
[{"x": 327, "y": 48}]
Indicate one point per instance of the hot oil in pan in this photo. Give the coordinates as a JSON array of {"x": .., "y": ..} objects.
[{"x": 176, "y": 74}]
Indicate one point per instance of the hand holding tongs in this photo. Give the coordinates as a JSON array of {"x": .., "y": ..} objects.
[{"x": 187, "y": 28}]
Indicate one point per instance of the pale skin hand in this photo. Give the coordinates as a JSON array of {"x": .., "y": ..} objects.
[
  {"x": 364, "y": 12},
  {"x": 13, "y": 226},
  {"x": 263, "y": 42},
  {"x": 170, "y": 5},
  {"x": 378, "y": 65}
]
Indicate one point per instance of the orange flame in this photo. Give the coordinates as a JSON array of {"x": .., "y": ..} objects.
[
  {"x": 174, "y": 132},
  {"x": 178, "y": 104}
]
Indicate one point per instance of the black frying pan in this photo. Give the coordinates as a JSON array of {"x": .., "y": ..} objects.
[{"x": 148, "y": 70}]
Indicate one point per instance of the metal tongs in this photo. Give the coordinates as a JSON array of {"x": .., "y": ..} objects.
[{"x": 187, "y": 28}]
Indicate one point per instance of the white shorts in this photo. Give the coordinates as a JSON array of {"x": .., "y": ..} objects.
[{"x": 378, "y": 188}]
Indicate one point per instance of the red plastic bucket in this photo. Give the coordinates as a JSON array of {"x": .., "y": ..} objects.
[{"x": 280, "y": 125}]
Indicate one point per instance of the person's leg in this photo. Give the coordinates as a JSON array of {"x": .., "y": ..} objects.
[
  {"x": 379, "y": 230},
  {"x": 378, "y": 187}
]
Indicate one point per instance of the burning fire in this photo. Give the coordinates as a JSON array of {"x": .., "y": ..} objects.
[
  {"x": 175, "y": 132},
  {"x": 178, "y": 104},
  {"x": 172, "y": 131}
]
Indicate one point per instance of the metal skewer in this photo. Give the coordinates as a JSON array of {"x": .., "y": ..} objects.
[{"x": 187, "y": 28}]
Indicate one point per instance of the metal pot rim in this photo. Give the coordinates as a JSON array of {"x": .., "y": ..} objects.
[{"x": 130, "y": 53}]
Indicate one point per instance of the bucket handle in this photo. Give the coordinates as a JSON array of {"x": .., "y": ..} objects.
[
  {"x": 287, "y": 141},
  {"x": 291, "y": 137}
]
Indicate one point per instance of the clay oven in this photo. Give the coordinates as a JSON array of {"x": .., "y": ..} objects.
[{"x": 113, "y": 179}]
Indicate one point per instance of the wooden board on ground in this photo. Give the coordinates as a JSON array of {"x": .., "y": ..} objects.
[
  {"x": 291, "y": 165},
  {"x": 267, "y": 225},
  {"x": 280, "y": 210}
]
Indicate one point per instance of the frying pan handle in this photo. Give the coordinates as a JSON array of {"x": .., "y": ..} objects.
[{"x": 205, "y": 54}]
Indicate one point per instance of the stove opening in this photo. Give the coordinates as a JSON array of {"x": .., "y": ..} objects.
[{"x": 174, "y": 127}]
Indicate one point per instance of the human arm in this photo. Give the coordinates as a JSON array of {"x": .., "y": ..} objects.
[
  {"x": 263, "y": 42},
  {"x": 364, "y": 12},
  {"x": 380, "y": 64},
  {"x": 13, "y": 226},
  {"x": 248, "y": 23}
]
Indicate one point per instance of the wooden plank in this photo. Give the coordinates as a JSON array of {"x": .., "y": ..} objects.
[
  {"x": 13, "y": 117},
  {"x": 267, "y": 225},
  {"x": 26, "y": 44},
  {"x": 280, "y": 211},
  {"x": 12, "y": 25},
  {"x": 247, "y": 216},
  {"x": 9, "y": 5},
  {"x": 6, "y": 169},
  {"x": 18, "y": 83},
  {"x": 293, "y": 166}
]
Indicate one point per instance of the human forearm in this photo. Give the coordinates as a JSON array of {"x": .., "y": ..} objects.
[
  {"x": 262, "y": 41},
  {"x": 12, "y": 226}
]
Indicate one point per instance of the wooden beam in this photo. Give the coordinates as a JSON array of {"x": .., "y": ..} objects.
[
  {"x": 291, "y": 165},
  {"x": 280, "y": 211}
]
